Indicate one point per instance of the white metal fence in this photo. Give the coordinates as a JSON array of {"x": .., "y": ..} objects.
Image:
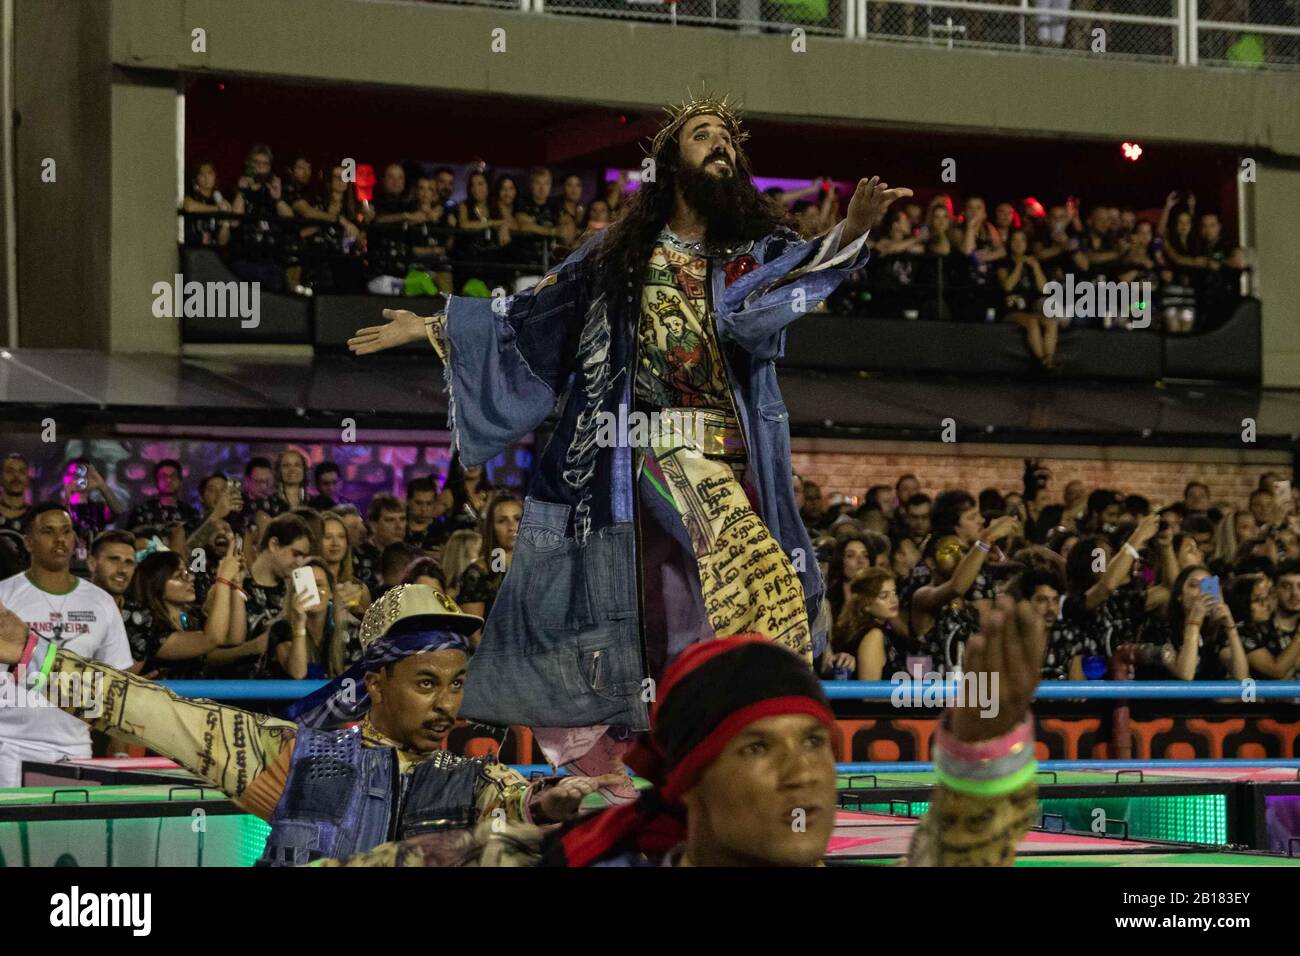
[{"x": 1248, "y": 34}]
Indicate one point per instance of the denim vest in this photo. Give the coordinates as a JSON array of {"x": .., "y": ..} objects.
[
  {"x": 562, "y": 645},
  {"x": 341, "y": 795}
]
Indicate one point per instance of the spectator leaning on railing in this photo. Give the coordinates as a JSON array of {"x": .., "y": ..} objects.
[
  {"x": 393, "y": 208},
  {"x": 1022, "y": 282},
  {"x": 417, "y": 240},
  {"x": 430, "y": 240},
  {"x": 201, "y": 196},
  {"x": 480, "y": 230},
  {"x": 539, "y": 222},
  {"x": 260, "y": 203}
]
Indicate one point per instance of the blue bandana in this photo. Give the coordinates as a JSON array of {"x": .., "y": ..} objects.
[{"x": 346, "y": 698}]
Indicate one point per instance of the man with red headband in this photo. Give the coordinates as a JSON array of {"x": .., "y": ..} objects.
[
  {"x": 742, "y": 763},
  {"x": 744, "y": 768}
]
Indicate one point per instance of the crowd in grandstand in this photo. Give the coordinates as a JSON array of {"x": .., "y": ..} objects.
[
  {"x": 1191, "y": 590},
  {"x": 203, "y": 590},
  {"x": 309, "y": 231},
  {"x": 1195, "y": 589}
]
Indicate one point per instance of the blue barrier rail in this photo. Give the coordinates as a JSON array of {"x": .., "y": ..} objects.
[
  {"x": 921, "y": 766},
  {"x": 1088, "y": 689},
  {"x": 836, "y": 690},
  {"x": 243, "y": 689}
]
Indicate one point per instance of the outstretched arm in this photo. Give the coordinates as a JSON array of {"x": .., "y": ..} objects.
[
  {"x": 506, "y": 359},
  {"x": 225, "y": 746},
  {"x": 507, "y": 806}
]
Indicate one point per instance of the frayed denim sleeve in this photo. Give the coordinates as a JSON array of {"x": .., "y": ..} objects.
[
  {"x": 508, "y": 359},
  {"x": 756, "y": 308}
]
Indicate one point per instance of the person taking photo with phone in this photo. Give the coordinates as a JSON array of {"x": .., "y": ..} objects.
[{"x": 1201, "y": 639}]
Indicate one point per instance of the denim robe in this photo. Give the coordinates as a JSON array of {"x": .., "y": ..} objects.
[{"x": 562, "y": 645}]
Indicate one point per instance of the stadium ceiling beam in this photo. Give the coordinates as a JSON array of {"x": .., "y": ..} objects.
[{"x": 592, "y": 131}]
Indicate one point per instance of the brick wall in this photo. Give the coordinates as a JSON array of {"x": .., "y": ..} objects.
[{"x": 1162, "y": 481}]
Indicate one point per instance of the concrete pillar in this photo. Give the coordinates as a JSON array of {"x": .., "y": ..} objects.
[
  {"x": 1275, "y": 206},
  {"x": 142, "y": 235},
  {"x": 61, "y": 94}
]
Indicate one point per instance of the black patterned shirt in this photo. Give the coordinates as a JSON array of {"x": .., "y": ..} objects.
[
  {"x": 478, "y": 585},
  {"x": 153, "y": 513},
  {"x": 146, "y": 637},
  {"x": 366, "y": 567},
  {"x": 263, "y": 606},
  {"x": 1267, "y": 636}
]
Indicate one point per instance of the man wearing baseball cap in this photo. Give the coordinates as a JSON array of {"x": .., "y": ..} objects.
[{"x": 362, "y": 764}]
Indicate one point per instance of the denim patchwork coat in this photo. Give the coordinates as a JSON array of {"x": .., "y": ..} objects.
[{"x": 562, "y": 645}]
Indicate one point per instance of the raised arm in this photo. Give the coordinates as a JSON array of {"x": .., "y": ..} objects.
[
  {"x": 1183, "y": 666},
  {"x": 927, "y": 599},
  {"x": 987, "y": 798},
  {"x": 1120, "y": 567},
  {"x": 1233, "y": 655}
]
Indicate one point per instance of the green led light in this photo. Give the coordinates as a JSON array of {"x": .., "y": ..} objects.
[
  {"x": 253, "y": 832},
  {"x": 1200, "y": 818},
  {"x": 229, "y": 840}
]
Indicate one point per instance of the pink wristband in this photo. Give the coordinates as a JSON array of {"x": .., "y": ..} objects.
[
  {"x": 984, "y": 750},
  {"x": 26, "y": 659}
]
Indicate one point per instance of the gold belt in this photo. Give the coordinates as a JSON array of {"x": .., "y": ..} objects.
[{"x": 717, "y": 434}]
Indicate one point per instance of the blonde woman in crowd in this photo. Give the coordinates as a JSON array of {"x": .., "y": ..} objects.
[
  {"x": 462, "y": 550},
  {"x": 1234, "y": 529},
  {"x": 351, "y": 594},
  {"x": 312, "y": 643}
]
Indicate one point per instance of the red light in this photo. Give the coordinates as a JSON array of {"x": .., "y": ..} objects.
[
  {"x": 1034, "y": 208},
  {"x": 365, "y": 182},
  {"x": 221, "y": 86},
  {"x": 1132, "y": 151}
]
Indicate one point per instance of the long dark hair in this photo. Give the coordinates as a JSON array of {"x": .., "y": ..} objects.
[
  {"x": 494, "y": 195},
  {"x": 835, "y": 574},
  {"x": 626, "y": 245},
  {"x": 488, "y": 531},
  {"x": 348, "y": 207},
  {"x": 456, "y": 484},
  {"x": 1079, "y": 574},
  {"x": 471, "y": 204},
  {"x": 1176, "y": 614},
  {"x": 149, "y": 585}
]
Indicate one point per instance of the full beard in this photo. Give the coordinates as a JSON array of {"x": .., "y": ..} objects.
[{"x": 721, "y": 201}]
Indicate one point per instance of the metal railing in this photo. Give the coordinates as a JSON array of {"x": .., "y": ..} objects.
[
  {"x": 1156, "y": 34},
  {"x": 1235, "y": 33},
  {"x": 1270, "y": 690}
]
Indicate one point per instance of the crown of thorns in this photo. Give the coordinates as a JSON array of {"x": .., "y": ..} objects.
[{"x": 699, "y": 105}]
